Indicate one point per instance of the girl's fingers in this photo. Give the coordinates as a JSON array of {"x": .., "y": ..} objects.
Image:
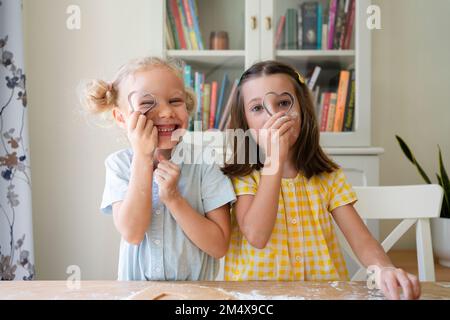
[
  {"x": 169, "y": 166},
  {"x": 162, "y": 174},
  {"x": 391, "y": 283},
  {"x": 384, "y": 288},
  {"x": 132, "y": 120},
  {"x": 415, "y": 285},
  {"x": 405, "y": 284},
  {"x": 279, "y": 122},
  {"x": 148, "y": 127},
  {"x": 285, "y": 127},
  {"x": 141, "y": 123},
  {"x": 272, "y": 120},
  {"x": 159, "y": 180}
]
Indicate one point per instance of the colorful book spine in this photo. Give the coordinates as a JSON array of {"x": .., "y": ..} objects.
[
  {"x": 223, "y": 89},
  {"x": 179, "y": 27},
  {"x": 198, "y": 95},
  {"x": 350, "y": 107},
  {"x": 349, "y": 25},
  {"x": 341, "y": 99},
  {"x": 187, "y": 73},
  {"x": 331, "y": 112},
  {"x": 226, "y": 112},
  {"x": 300, "y": 27},
  {"x": 190, "y": 24},
  {"x": 206, "y": 105},
  {"x": 340, "y": 24},
  {"x": 213, "y": 106},
  {"x": 324, "y": 113},
  {"x": 309, "y": 11},
  {"x": 173, "y": 26},
  {"x": 331, "y": 23},
  {"x": 184, "y": 24},
  {"x": 193, "y": 10},
  {"x": 279, "y": 33},
  {"x": 170, "y": 43},
  {"x": 319, "y": 26}
]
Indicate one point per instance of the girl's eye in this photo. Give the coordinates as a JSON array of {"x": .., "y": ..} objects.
[
  {"x": 285, "y": 103},
  {"x": 176, "y": 101},
  {"x": 256, "y": 108},
  {"x": 148, "y": 104}
]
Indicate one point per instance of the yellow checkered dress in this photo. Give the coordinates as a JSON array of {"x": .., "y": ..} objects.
[{"x": 303, "y": 245}]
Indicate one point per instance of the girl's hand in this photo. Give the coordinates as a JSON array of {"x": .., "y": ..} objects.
[
  {"x": 143, "y": 135},
  {"x": 390, "y": 280},
  {"x": 275, "y": 134},
  {"x": 167, "y": 175}
]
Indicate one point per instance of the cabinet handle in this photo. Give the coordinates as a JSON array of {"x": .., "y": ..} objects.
[
  {"x": 253, "y": 22},
  {"x": 268, "y": 23}
]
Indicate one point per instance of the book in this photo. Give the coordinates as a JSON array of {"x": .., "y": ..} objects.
[
  {"x": 341, "y": 99},
  {"x": 350, "y": 107},
  {"x": 313, "y": 80},
  {"x": 324, "y": 112},
  {"x": 299, "y": 27},
  {"x": 187, "y": 75},
  {"x": 223, "y": 89},
  {"x": 178, "y": 24},
  {"x": 325, "y": 37},
  {"x": 194, "y": 12},
  {"x": 184, "y": 24},
  {"x": 173, "y": 27},
  {"x": 319, "y": 26},
  {"x": 279, "y": 33},
  {"x": 331, "y": 112},
  {"x": 309, "y": 38},
  {"x": 190, "y": 25},
  {"x": 206, "y": 105},
  {"x": 170, "y": 43},
  {"x": 212, "y": 112},
  {"x": 340, "y": 24},
  {"x": 331, "y": 22},
  {"x": 198, "y": 95},
  {"x": 349, "y": 25},
  {"x": 226, "y": 111}
]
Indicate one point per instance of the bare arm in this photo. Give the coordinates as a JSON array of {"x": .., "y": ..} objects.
[
  {"x": 132, "y": 216},
  {"x": 371, "y": 253},
  {"x": 211, "y": 233},
  {"x": 256, "y": 214}
]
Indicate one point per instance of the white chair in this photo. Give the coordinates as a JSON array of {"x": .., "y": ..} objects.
[{"x": 415, "y": 205}]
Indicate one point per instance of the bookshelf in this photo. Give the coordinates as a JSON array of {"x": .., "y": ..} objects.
[
  {"x": 252, "y": 29},
  {"x": 252, "y": 26}
]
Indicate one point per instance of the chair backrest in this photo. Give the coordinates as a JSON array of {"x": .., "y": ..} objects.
[{"x": 415, "y": 205}]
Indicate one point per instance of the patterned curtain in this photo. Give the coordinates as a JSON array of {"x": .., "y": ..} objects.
[{"x": 16, "y": 237}]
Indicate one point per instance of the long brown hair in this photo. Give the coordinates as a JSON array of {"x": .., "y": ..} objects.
[{"x": 308, "y": 155}]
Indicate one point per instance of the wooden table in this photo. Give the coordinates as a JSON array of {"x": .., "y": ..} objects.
[
  {"x": 261, "y": 290},
  {"x": 407, "y": 260}
]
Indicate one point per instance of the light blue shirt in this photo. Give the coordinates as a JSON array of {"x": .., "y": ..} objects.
[{"x": 166, "y": 253}]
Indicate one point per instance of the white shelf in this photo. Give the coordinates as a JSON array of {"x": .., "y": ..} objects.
[
  {"x": 345, "y": 57},
  {"x": 233, "y": 58}
]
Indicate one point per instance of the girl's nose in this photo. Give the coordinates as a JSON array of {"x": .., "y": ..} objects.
[{"x": 164, "y": 110}]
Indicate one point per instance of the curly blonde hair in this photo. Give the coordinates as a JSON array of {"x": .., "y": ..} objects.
[{"x": 99, "y": 96}]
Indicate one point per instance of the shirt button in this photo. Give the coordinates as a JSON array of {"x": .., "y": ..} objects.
[
  {"x": 298, "y": 258},
  {"x": 294, "y": 221},
  {"x": 291, "y": 184},
  {"x": 158, "y": 211},
  {"x": 157, "y": 242}
]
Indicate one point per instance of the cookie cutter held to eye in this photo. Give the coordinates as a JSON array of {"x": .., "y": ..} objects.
[
  {"x": 142, "y": 101},
  {"x": 274, "y": 102}
]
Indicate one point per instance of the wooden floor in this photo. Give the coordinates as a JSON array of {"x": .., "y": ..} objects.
[{"x": 407, "y": 260}]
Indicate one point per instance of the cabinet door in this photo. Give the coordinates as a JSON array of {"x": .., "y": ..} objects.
[
  {"x": 267, "y": 48},
  {"x": 252, "y": 32}
]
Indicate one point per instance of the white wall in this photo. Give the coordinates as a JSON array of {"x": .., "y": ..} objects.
[
  {"x": 66, "y": 152},
  {"x": 411, "y": 95},
  {"x": 411, "y": 90}
]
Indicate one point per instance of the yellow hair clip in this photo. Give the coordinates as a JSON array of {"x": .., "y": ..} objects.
[{"x": 300, "y": 77}]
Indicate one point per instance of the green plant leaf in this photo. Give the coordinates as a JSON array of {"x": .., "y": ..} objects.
[
  {"x": 444, "y": 179},
  {"x": 412, "y": 159}
]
